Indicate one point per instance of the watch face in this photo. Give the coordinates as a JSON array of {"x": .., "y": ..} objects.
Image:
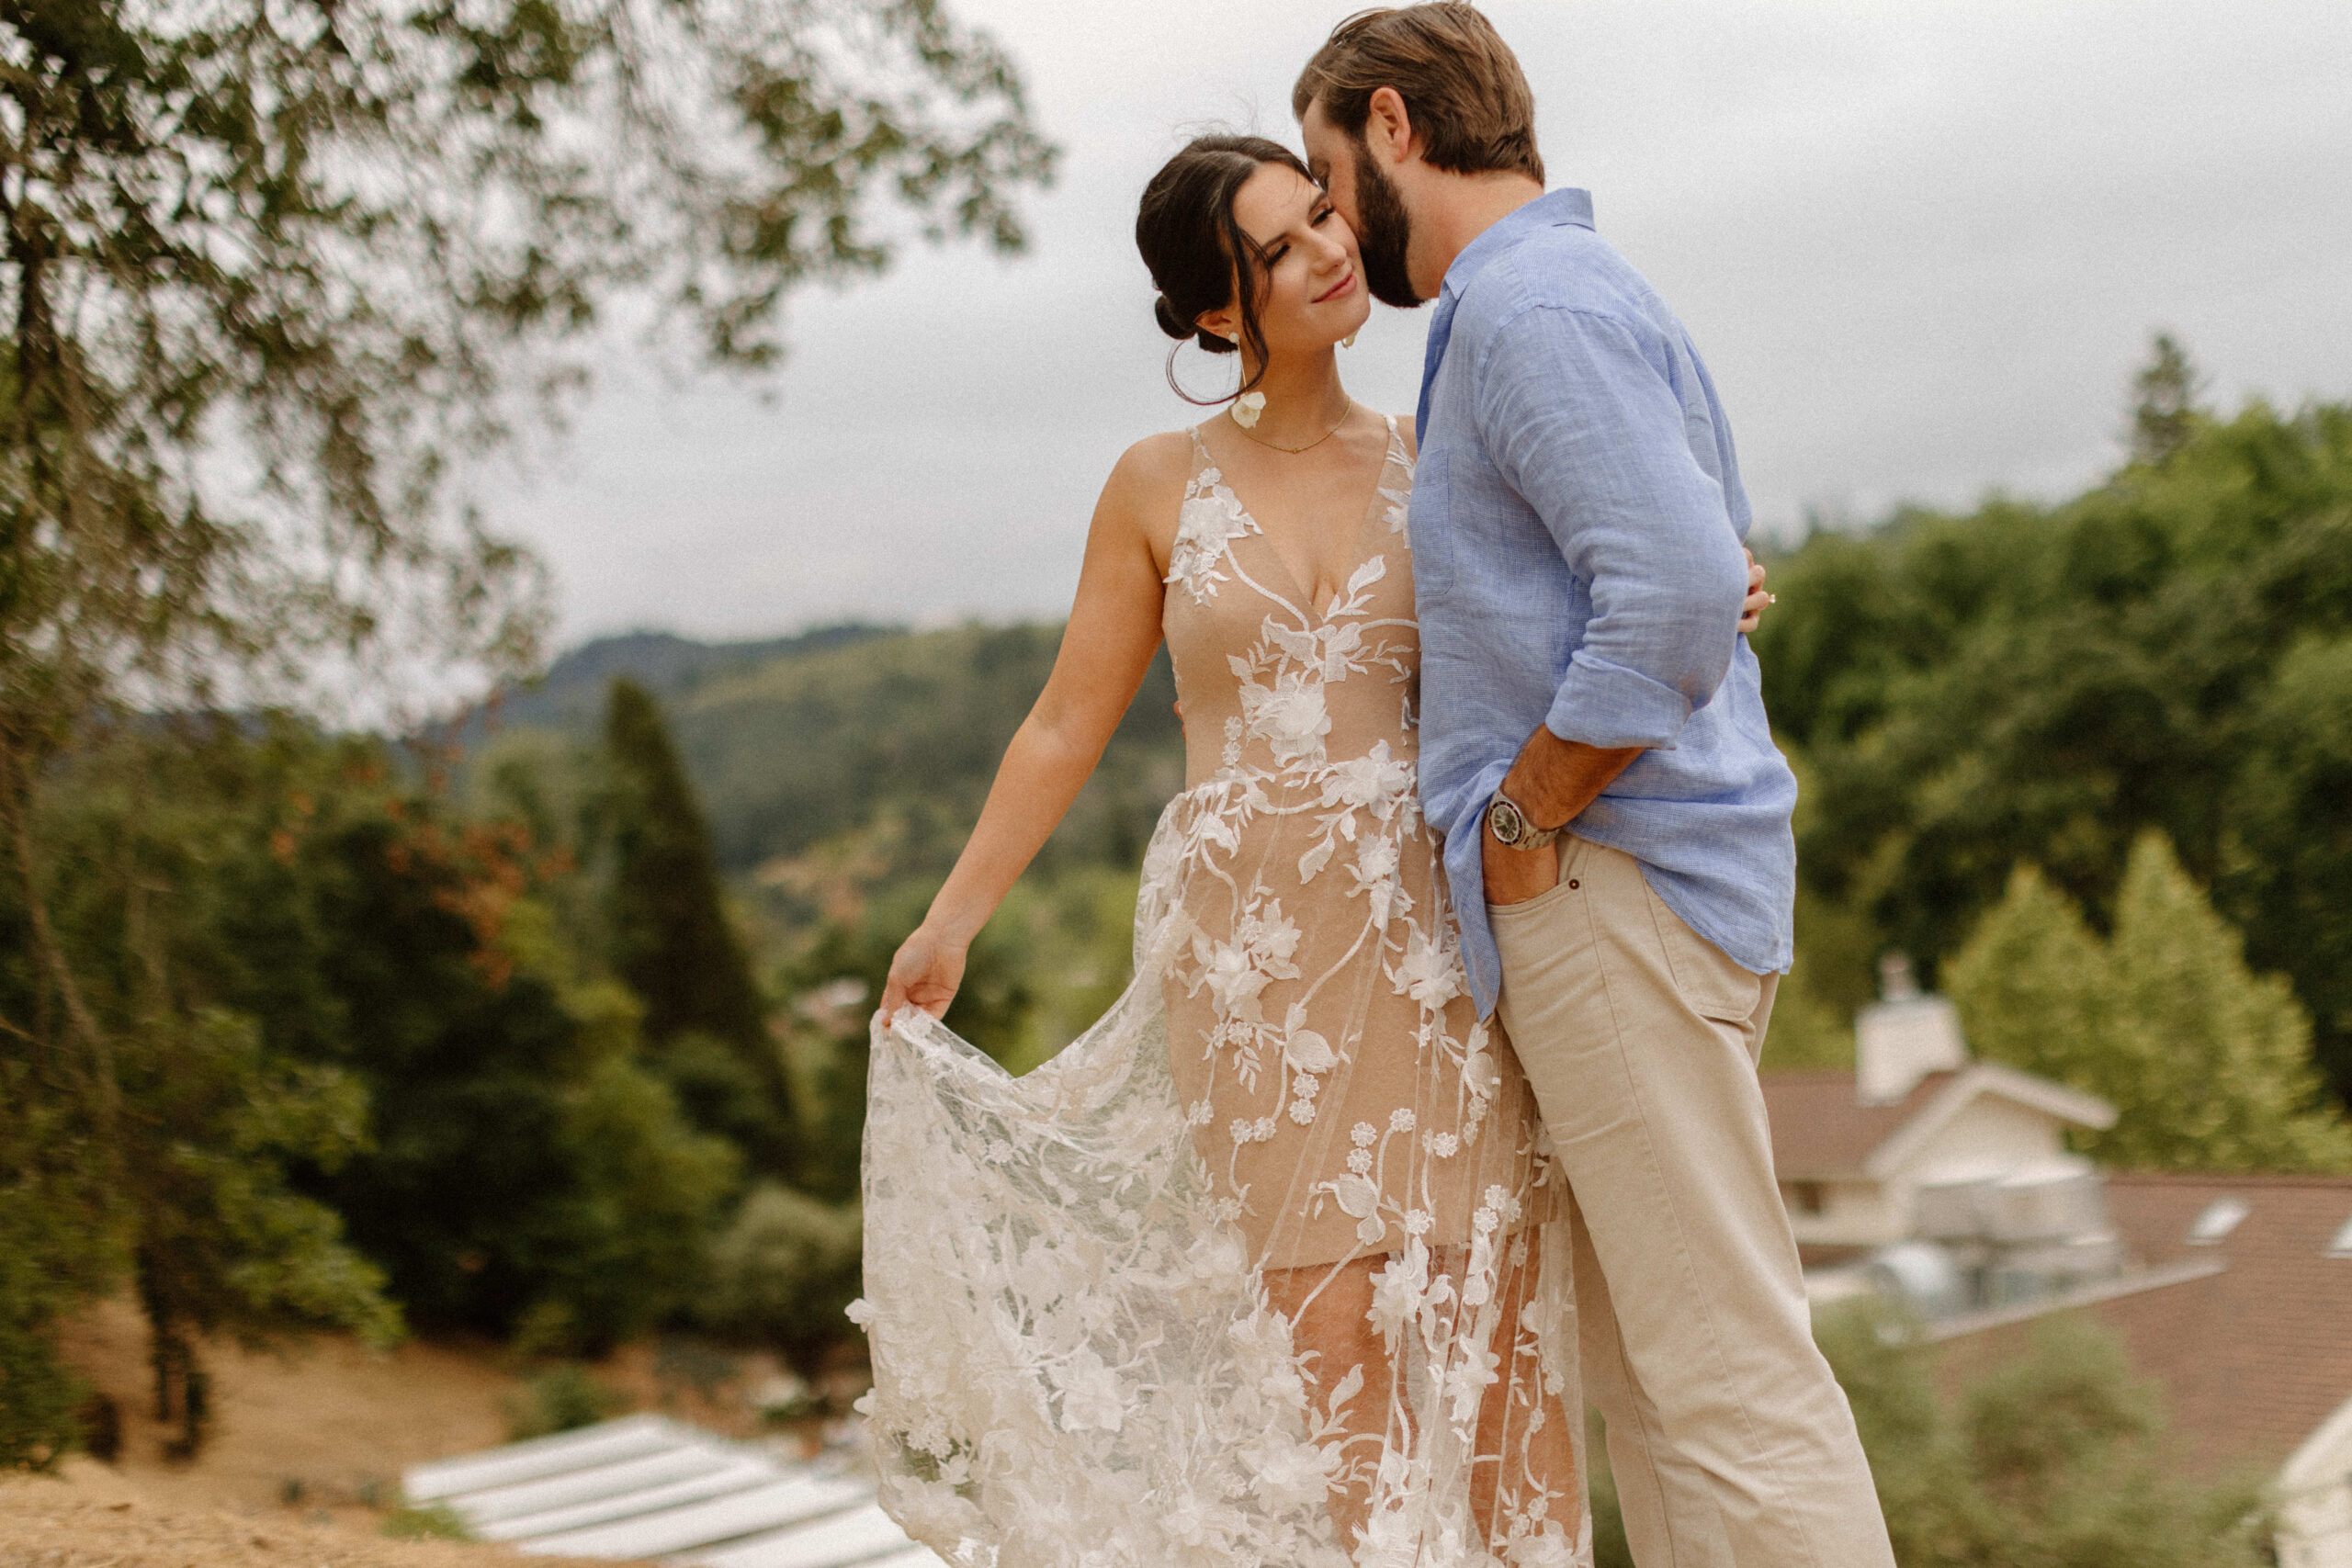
[{"x": 1509, "y": 824}]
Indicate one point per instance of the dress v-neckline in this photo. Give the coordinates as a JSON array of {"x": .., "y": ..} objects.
[{"x": 1355, "y": 546}]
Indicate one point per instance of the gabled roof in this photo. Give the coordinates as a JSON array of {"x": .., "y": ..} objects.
[
  {"x": 2253, "y": 1355},
  {"x": 1820, "y": 1133},
  {"x": 2257, "y": 1356}
]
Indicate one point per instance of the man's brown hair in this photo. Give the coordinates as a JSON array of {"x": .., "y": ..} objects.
[{"x": 1461, "y": 85}]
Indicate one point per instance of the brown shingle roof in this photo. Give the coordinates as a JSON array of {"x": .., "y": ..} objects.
[
  {"x": 2253, "y": 1358},
  {"x": 1819, "y": 1132}
]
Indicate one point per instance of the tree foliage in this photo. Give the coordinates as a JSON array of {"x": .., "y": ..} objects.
[
  {"x": 202, "y": 1195},
  {"x": 2207, "y": 1064},
  {"x": 526, "y": 1170},
  {"x": 2058, "y": 1458},
  {"x": 784, "y": 1273},
  {"x": 672, "y": 942},
  {"x": 276, "y": 272},
  {"x": 2171, "y": 650}
]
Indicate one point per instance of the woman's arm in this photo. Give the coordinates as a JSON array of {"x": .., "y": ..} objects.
[{"x": 1106, "y": 648}]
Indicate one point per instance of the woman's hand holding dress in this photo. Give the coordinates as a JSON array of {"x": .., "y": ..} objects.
[{"x": 925, "y": 974}]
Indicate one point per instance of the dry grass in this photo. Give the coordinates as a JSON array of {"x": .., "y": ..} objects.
[
  {"x": 92, "y": 1518},
  {"x": 306, "y": 1451},
  {"x": 320, "y": 1433}
]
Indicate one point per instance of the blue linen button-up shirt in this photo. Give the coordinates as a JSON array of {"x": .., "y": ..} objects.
[{"x": 1577, "y": 520}]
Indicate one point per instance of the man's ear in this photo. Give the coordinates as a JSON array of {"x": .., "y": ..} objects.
[{"x": 1388, "y": 127}]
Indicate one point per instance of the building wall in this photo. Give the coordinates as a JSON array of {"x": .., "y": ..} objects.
[
  {"x": 1851, "y": 1213},
  {"x": 2315, "y": 1498},
  {"x": 1988, "y": 1135}
]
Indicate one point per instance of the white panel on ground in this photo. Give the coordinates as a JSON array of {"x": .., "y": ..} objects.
[
  {"x": 738, "y": 1474},
  {"x": 605, "y": 1443},
  {"x": 706, "y": 1524},
  {"x": 647, "y": 1471},
  {"x": 862, "y": 1535}
]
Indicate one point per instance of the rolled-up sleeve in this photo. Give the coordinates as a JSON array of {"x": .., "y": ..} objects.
[{"x": 1583, "y": 424}]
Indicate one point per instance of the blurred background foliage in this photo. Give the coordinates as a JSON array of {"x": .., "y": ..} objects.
[
  {"x": 285, "y": 1037},
  {"x": 2060, "y": 1456}
]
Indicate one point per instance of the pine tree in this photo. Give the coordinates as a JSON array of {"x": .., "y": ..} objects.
[
  {"x": 2165, "y": 416},
  {"x": 672, "y": 942},
  {"x": 2207, "y": 1064}
]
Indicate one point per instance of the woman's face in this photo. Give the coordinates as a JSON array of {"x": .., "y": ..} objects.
[{"x": 1314, "y": 288}]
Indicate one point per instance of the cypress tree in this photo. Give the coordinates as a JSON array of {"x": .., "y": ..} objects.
[{"x": 671, "y": 942}]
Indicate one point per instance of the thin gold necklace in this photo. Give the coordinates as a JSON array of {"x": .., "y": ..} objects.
[{"x": 1294, "y": 451}]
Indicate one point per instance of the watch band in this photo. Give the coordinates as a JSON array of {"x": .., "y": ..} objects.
[{"x": 1507, "y": 820}]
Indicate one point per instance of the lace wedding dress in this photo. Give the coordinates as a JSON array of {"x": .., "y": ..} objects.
[{"x": 1268, "y": 1267}]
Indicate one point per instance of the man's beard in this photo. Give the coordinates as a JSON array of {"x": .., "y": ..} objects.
[{"x": 1387, "y": 231}]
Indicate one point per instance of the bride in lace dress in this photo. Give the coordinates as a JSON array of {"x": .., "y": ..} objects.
[{"x": 1269, "y": 1266}]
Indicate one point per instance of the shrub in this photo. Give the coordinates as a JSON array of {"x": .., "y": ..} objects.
[
  {"x": 559, "y": 1398},
  {"x": 784, "y": 1271}
]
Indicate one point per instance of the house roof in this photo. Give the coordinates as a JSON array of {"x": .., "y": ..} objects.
[
  {"x": 1820, "y": 1131},
  {"x": 2254, "y": 1357}
]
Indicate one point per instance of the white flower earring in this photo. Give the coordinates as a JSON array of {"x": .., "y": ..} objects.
[{"x": 1247, "y": 408}]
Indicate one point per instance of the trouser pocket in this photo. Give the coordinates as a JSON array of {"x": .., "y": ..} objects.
[{"x": 1711, "y": 983}]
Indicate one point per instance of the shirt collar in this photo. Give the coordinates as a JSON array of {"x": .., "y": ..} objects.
[{"x": 1556, "y": 210}]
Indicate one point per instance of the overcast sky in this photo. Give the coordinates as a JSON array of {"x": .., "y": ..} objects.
[{"x": 1921, "y": 242}]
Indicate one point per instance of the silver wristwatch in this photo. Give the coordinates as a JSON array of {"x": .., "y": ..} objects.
[{"x": 1511, "y": 828}]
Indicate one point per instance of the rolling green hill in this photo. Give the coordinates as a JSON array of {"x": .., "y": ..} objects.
[{"x": 856, "y": 755}]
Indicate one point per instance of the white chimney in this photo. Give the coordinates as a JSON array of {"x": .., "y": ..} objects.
[{"x": 1903, "y": 1037}]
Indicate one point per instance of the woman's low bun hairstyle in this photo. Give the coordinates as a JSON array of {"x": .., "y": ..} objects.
[
  {"x": 1177, "y": 327},
  {"x": 1195, "y": 247}
]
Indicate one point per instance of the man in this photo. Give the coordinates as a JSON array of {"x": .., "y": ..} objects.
[{"x": 1594, "y": 748}]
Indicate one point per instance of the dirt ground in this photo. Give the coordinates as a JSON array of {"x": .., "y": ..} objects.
[
  {"x": 92, "y": 1518},
  {"x": 306, "y": 1451}
]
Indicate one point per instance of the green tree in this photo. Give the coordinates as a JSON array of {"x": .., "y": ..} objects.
[
  {"x": 783, "y": 1273},
  {"x": 209, "y": 1215},
  {"x": 2166, "y": 414},
  {"x": 672, "y": 942},
  {"x": 275, "y": 271},
  {"x": 2042, "y": 685},
  {"x": 2059, "y": 1457},
  {"x": 225, "y": 1241},
  {"x": 2207, "y": 1064},
  {"x": 529, "y": 1174}
]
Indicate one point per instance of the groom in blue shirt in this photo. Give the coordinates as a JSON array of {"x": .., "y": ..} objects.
[{"x": 1595, "y": 750}]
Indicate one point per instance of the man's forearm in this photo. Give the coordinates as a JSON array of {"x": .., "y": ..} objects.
[{"x": 1554, "y": 779}]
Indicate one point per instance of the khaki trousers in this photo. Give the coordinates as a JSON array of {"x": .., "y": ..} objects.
[{"x": 1730, "y": 1441}]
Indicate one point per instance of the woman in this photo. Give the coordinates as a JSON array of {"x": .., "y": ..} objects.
[{"x": 1266, "y": 1266}]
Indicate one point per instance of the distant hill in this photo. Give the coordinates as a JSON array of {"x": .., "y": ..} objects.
[
  {"x": 570, "y": 695},
  {"x": 857, "y": 732}
]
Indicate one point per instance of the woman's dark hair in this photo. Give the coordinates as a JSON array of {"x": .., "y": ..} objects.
[{"x": 1196, "y": 249}]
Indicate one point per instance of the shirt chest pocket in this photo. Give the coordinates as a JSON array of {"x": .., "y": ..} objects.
[{"x": 1430, "y": 526}]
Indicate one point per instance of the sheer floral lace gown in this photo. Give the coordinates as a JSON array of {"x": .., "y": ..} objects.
[{"x": 1267, "y": 1267}]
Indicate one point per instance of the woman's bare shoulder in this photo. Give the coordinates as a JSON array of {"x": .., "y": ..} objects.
[
  {"x": 1155, "y": 460},
  {"x": 1149, "y": 476}
]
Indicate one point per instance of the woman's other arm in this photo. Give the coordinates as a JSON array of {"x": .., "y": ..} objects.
[{"x": 1114, "y": 630}]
